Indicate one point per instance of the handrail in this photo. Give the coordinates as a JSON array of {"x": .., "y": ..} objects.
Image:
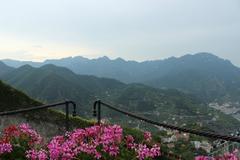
[
  {"x": 29, "y": 109},
  {"x": 97, "y": 107}
]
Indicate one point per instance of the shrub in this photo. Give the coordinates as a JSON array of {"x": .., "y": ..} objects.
[{"x": 96, "y": 142}]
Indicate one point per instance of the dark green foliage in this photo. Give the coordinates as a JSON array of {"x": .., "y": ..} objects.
[{"x": 11, "y": 98}]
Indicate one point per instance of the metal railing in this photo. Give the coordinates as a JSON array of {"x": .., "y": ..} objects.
[
  {"x": 29, "y": 109},
  {"x": 97, "y": 113}
]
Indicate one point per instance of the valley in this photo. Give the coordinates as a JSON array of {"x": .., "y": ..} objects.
[{"x": 50, "y": 83}]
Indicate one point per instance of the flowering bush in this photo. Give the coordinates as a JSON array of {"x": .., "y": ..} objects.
[
  {"x": 226, "y": 156},
  {"x": 96, "y": 142},
  {"x": 15, "y": 140},
  {"x": 5, "y": 148}
]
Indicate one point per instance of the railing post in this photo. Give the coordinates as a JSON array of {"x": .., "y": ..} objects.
[
  {"x": 95, "y": 109},
  {"x": 99, "y": 112},
  {"x": 74, "y": 109},
  {"x": 67, "y": 116}
]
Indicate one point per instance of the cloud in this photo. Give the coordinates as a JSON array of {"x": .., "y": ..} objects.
[
  {"x": 37, "y": 46},
  {"x": 18, "y": 54},
  {"x": 132, "y": 29}
]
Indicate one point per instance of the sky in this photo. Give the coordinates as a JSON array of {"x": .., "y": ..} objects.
[{"x": 132, "y": 29}]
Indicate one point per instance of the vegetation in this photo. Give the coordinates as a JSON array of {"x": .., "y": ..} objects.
[
  {"x": 51, "y": 84},
  {"x": 51, "y": 116},
  {"x": 57, "y": 118},
  {"x": 11, "y": 98},
  {"x": 97, "y": 142}
]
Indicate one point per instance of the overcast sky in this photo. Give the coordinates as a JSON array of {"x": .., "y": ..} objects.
[{"x": 131, "y": 29}]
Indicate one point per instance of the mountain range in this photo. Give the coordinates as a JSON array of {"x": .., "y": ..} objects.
[
  {"x": 50, "y": 83},
  {"x": 210, "y": 78}
]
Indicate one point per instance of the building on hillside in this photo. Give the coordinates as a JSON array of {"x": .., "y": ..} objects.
[{"x": 203, "y": 145}]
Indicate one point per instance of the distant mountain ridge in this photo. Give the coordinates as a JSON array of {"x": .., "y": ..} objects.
[
  {"x": 203, "y": 74},
  {"x": 4, "y": 68}
]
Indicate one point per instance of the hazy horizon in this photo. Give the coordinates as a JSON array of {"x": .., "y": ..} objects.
[
  {"x": 113, "y": 58},
  {"x": 130, "y": 29}
]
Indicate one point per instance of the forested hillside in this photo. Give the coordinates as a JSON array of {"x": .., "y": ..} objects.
[
  {"x": 205, "y": 75},
  {"x": 51, "y": 83}
]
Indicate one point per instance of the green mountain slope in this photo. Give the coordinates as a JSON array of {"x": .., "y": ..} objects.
[
  {"x": 170, "y": 106},
  {"x": 4, "y": 68},
  {"x": 11, "y": 99},
  {"x": 53, "y": 78},
  {"x": 207, "y": 76},
  {"x": 50, "y": 84},
  {"x": 48, "y": 122}
]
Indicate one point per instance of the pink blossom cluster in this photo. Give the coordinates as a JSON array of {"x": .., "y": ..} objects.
[
  {"x": 130, "y": 142},
  {"x": 23, "y": 132},
  {"x": 87, "y": 141},
  {"x": 27, "y": 130},
  {"x": 147, "y": 136},
  {"x": 143, "y": 150},
  {"x": 226, "y": 156},
  {"x": 5, "y": 148},
  {"x": 36, "y": 155},
  {"x": 98, "y": 142}
]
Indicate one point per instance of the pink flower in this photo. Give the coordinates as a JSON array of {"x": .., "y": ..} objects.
[
  {"x": 26, "y": 129},
  {"x": 54, "y": 147},
  {"x": 144, "y": 152},
  {"x": 5, "y": 148},
  {"x": 95, "y": 141},
  {"x": 148, "y": 136},
  {"x": 36, "y": 155},
  {"x": 130, "y": 141},
  {"x": 42, "y": 155},
  {"x": 226, "y": 156}
]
